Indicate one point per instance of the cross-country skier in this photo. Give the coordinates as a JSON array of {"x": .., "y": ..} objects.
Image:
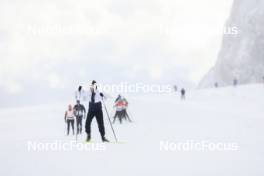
[
  {"x": 69, "y": 119},
  {"x": 95, "y": 110},
  {"x": 235, "y": 82},
  {"x": 175, "y": 88},
  {"x": 183, "y": 94},
  {"x": 121, "y": 105},
  {"x": 119, "y": 109},
  {"x": 216, "y": 84},
  {"x": 79, "y": 112}
]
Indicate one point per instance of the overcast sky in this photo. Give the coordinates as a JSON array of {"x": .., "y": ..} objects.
[{"x": 54, "y": 45}]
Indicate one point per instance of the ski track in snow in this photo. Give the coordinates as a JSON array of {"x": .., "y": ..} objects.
[{"x": 217, "y": 115}]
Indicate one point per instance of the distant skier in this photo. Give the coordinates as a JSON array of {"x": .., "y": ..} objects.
[
  {"x": 69, "y": 119},
  {"x": 183, "y": 94},
  {"x": 95, "y": 110},
  {"x": 119, "y": 109},
  {"x": 175, "y": 88},
  {"x": 80, "y": 94},
  {"x": 121, "y": 105},
  {"x": 216, "y": 85},
  {"x": 235, "y": 82},
  {"x": 79, "y": 112}
]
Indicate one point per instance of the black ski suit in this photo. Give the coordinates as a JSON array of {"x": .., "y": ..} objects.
[
  {"x": 79, "y": 111},
  {"x": 95, "y": 110}
]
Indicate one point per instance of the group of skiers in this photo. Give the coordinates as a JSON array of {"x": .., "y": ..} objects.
[
  {"x": 95, "y": 99},
  {"x": 182, "y": 91},
  {"x": 235, "y": 83},
  {"x": 77, "y": 112},
  {"x": 121, "y": 105}
]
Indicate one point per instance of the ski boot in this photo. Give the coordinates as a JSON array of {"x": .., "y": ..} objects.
[
  {"x": 88, "y": 139},
  {"x": 104, "y": 139}
]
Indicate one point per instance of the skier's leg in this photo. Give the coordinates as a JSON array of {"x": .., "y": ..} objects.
[
  {"x": 77, "y": 128},
  {"x": 81, "y": 118},
  {"x": 72, "y": 124},
  {"x": 68, "y": 127},
  {"x": 124, "y": 115},
  {"x": 100, "y": 122},
  {"x": 120, "y": 116},
  {"x": 88, "y": 122}
]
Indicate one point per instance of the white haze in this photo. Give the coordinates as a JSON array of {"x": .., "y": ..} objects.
[{"x": 49, "y": 47}]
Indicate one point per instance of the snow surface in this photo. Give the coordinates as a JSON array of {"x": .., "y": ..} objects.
[
  {"x": 241, "y": 55},
  {"x": 217, "y": 115}
]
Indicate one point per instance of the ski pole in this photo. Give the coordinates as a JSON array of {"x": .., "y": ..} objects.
[
  {"x": 109, "y": 121},
  {"x": 129, "y": 115}
]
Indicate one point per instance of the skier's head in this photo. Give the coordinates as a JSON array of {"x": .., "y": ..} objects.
[
  {"x": 93, "y": 82},
  {"x": 93, "y": 85},
  {"x": 78, "y": 102},
  {"x": 69, "y": 107},
  {"x": 79, "y": 88}
]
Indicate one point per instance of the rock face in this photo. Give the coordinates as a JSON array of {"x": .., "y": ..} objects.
[{"x": 242, "y": 55}]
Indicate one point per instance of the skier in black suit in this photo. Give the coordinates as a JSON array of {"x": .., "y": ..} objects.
[{"x": 95, "y": 110}]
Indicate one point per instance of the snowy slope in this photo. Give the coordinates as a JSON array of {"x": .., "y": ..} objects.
[
  {"x": 241, "y": 55},
  {"x": 217, "y": 115}
]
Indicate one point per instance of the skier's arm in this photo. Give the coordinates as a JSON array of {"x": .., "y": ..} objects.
[
  {"x": 103, "y": 96},
  {"x": 84, "y": 110}
]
